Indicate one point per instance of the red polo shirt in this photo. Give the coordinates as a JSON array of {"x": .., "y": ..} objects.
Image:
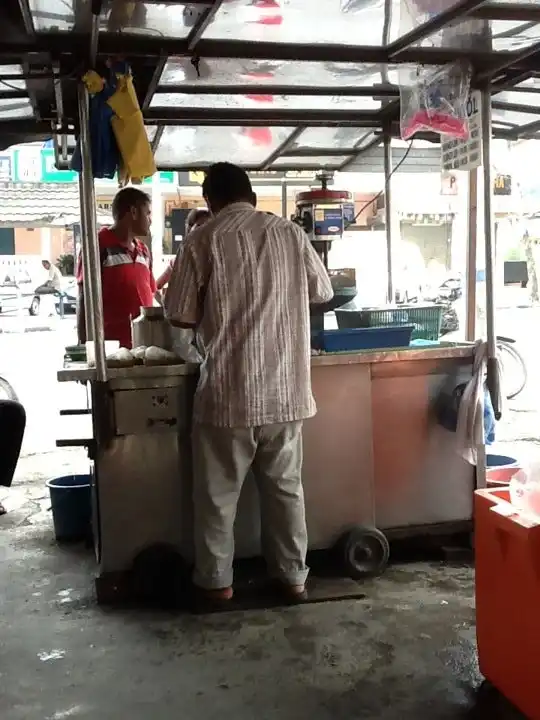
[{"x": 127, "y": 284}]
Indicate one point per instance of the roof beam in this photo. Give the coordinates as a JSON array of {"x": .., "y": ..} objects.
[
  {"x": 199, "y": 29},
  {"x": 458, "y": 11},
  {"x": 508, "y": 11},
  {"x": 285, "y": 118},
  {"x": 282, "y": 148},
  {"x": 346, "y": 91}
]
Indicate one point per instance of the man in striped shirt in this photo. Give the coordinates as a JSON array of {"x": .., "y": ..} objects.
[{"x": 245, "y": 280}]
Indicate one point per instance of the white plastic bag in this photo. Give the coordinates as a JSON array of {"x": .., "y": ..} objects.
[{"x": 183, "y": 345}]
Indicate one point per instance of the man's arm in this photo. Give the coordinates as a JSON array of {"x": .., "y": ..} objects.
[
  {"x": 319, "y": 285},
  {"x": 184, "y": 297}
]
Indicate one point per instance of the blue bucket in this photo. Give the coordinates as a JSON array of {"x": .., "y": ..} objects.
[{"x": 71, "y": 504}]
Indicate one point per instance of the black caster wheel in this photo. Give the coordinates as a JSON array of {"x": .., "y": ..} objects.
[
  {"x": 160, "y": 577},
  {"x": 364, "y": 552}
]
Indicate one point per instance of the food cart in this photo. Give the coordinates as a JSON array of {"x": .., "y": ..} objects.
[{"x": 226, "y": 80}]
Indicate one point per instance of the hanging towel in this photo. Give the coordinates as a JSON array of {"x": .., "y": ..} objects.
[{"x": 470, "y": 424}]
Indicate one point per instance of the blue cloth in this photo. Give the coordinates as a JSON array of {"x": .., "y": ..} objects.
[
  {"x": 489, "y": 419},
  {"x": 105, "y": 152}
]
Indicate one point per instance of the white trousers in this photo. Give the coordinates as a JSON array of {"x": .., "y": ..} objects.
[{"x": 222, "y": 458}]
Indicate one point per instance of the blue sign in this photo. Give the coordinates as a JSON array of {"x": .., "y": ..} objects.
[{"x": 328, "y": 221}]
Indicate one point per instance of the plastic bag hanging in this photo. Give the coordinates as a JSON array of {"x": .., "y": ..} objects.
[
  {"x": 434, "y": 99},
  {"x": 137, "y": 160}
]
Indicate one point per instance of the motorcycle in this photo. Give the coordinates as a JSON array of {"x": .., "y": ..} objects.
[{"x": 446, "y": 294}]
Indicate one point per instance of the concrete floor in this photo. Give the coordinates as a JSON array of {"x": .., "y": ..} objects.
[{"x": 405, "y": 652}]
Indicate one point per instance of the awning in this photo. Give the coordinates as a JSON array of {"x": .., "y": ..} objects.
[{"x": 35, "y": 205}]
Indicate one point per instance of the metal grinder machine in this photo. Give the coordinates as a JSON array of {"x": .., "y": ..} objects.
[{"x": 325, "y": 214}]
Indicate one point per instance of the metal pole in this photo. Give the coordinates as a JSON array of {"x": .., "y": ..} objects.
[
  {"x": 84, "y": 250},
  {"x": 472, "y": 235},
  {"x": 284, "y": 199},
  {"x": 492, "y": 376},
  {"x": 388, "y": 213},
  {"x": 91, "y": 261}
]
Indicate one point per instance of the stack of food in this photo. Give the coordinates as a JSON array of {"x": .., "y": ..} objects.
[{"x": 142, "y": 355}]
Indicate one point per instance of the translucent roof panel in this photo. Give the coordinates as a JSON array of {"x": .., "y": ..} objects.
[
  {"x": 485, "y": 35},
  {"x": 334, "y": 161},
  {"x": 325, "y": 138},
  {"x": 232, "y": 71},
  {"x": 529, "y": 99},
  {"x": 9, "y": 85},
  {"x": 53, "y": 15},
  {"x": 159, "y": 20},
  {"x": 151, "y": 131},
  {"x": 197, "y": 147},
  {"x": 13, "y": 109},
  {"x": 153, "y": 19},
  {"x": 511, "y": 117},
  {"x": 263, "y": 102},
  {"x": 305, "y": 22}
]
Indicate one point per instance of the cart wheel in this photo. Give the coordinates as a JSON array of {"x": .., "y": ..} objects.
[{"x": 364, "y": 552}]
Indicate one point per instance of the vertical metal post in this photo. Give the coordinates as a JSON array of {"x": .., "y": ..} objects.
[
  {"x": 84, "y": 250},
  {"x": 472, "y": 234},
  {"x": 492, "y": 376},
  {"x": 158, "y": 224},
  {"x": 91, "y": 260},
  {"x": 284, "y": 199},
  {"x": 388, "y": 213}
]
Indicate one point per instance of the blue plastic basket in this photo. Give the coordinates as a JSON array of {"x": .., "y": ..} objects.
[{"x": 373, "y": 338}]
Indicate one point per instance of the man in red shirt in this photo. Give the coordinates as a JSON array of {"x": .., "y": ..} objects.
[{"x": 126, "y": 267}]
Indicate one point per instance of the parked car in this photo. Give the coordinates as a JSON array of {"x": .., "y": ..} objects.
[
  {"x": 69, "y": 297},
  {"x": 18, "y": 288}
]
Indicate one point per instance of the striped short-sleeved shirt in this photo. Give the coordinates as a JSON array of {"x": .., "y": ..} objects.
[{"x": 245, "y": 279}]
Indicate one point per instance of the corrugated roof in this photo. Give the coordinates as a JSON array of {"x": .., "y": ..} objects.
[{"x": 41, "y": 205}]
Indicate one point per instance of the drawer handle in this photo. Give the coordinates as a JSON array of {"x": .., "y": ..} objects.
[{"x": 170, "y": 422}]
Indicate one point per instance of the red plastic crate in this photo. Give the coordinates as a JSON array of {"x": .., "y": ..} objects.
[{"x": 508, "y": 600}]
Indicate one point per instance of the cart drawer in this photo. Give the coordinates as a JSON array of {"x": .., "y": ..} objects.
[{"x": 166, "y": 409}]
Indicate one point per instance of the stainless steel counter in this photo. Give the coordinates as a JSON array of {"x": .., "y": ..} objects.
[
  {"x": 435, "y": 352},
  {"x": 373, "y": 455},
  {"x": 81, "y": 372}
]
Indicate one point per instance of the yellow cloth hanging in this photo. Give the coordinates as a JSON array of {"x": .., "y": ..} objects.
[
  {"x": 128, "y": 126},
  {"x": 94, "y": 82}
]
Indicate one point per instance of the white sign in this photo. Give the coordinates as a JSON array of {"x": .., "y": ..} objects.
[
  {"x": 465, "y": 154},
  {"x": 29, "y": 166},
  {"x": 449, "y": 183}
]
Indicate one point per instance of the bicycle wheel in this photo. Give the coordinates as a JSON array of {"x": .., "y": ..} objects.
[
  {"x": 6, "y": 391},
  {"x": 514, "y": 370}
]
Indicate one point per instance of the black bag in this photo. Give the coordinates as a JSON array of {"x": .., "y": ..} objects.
[{"x": 447, "y": 407}]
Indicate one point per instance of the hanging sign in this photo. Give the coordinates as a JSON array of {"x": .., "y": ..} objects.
[
  {"x": 28, "y": 165},
  {"x": 465, "y": 154},
  {"x": 502, "y": 185},
  {"x": 257, "y": 177},
  {"x": 449, "y": 183}
]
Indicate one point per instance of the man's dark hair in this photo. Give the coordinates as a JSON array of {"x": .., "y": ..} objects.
[
  {"x": 226, "y": 183},
  {"x": 126, "y": 199}
]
